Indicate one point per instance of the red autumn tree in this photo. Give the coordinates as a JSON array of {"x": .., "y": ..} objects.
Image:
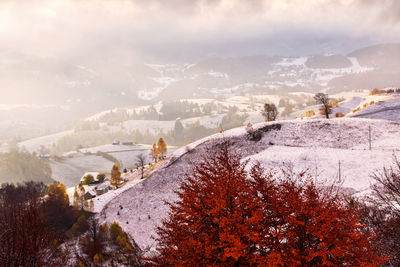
[
  {"x": 309, "y": 226},
  {"x": 226, "y": 216},
  {"x": 212, "y": 222}
]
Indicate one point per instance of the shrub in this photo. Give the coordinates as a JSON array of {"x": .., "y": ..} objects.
[
  {"x": 115, "y": 231},
  {"x": 339, "y": 115},
  {"x": 375, "y": 91},
  {"x": 88, "y": 179},
  {"x": 101, "y": 177},
  {"x": 309, "y": 113}
]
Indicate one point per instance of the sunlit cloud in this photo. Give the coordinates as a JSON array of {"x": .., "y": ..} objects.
[{"x": 67, "y": 27}]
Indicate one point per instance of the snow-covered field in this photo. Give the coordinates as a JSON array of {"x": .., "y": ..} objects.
[
  {"x": 317, "y": 145},
  {"x": 34, "y": 144},
  {"x": 69, "y": 170}
]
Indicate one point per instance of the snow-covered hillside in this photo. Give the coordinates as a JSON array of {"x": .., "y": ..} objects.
[{"x": 317, "y": 145}]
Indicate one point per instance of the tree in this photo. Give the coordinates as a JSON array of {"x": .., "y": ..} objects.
[
  {"x": 140, "y": 162},
  {"x": 383, "y": 215},
  {"x": 270, "y": 112},
  {"x": 59, "y": 214},
  {"x": 249, "y": 128},
  {"x": 211, "y": 222},
  {"x": 154, "y": 152},
  {"x": 101, "y": 177},
  {"x": 115, "y": 178},
  {"x": 287, "y": 110},
  {"x": 307, "y": 226},
  {"x": 108, "y": 246},
  {"x": 178, "y": 132},
  {"x": 282, "y": 102},
  {"x": 162, "y": 148},
  {"x": 273, "y": 219},
  {"x": 88, "y": 179},
  {"x": 324, "y": 100},
  {"x": 19, "y": 166},
  {"x": 25, "y": 237},
  {"x": 80, "y": 201}
]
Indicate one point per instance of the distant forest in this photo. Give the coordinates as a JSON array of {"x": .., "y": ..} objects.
[{"x": 20, "y": 166}]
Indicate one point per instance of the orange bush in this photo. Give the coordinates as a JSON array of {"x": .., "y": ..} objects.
[
  {"x": 339, "y": 115},
  {"x": 375, "y": 91}
]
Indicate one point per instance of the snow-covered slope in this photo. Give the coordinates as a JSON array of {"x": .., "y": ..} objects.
[
  {"x": 388, "y": 109},
  {"x": 317, "y": 145}
]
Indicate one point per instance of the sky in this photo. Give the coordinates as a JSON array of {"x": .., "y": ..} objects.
[{"x": 157, "y": 30}]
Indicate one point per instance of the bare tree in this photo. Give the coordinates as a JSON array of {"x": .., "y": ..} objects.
[
  {"x": 270, "y": 112},
  {"x": 140, "y": 162},
  {"x": 383, "y": 212},
  {"x": 324, "y": 99},
  {"x": 387, "y": 187}
]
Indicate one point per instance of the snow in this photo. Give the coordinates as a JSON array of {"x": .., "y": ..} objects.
[
  {"x": 315, "y": 144},
  {"x": 34, "y": 144},
  {"x": 217, "y": 74},
  {"x": 300, "y": 61},
  {"x": 69, "y": 170},
  {"x": 384, "y": 107}
]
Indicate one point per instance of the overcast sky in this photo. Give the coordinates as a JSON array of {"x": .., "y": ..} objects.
[{"x": 193, "y": 29}]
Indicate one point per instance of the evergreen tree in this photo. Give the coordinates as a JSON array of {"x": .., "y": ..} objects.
[{"x": 178, "y": 132}]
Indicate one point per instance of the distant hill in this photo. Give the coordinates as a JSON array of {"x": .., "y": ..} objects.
[
  {"x": 62, "y": 92},
  {"x": 328, "y": 62},
  {"x": 379, "y": 56}
]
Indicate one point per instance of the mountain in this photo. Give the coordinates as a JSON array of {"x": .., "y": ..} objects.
[
  {"x": 60, "y": 92},
  {"x": 106, "y": 83},
  {"x": 316, "y": 145},
  {"x": 378, "y": 56}
]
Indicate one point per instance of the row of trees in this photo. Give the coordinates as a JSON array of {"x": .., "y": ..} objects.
[{"x": 231, "y": 215}]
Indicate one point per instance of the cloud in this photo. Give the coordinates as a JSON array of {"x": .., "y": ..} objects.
[{"x": 72, "y": 28}]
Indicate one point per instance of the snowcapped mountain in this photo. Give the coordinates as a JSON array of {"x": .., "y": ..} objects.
[
  {"x": 109, "y": 83},
  {"x": 315, "y": 145}
]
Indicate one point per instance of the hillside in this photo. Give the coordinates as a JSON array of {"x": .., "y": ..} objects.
[
  {"x": 60, "y": 93},
  {"x": 316, "y": 145}
]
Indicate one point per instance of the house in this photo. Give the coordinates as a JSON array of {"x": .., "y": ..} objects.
[
  {"x": 127, "y": 142},
  {"x": 90, "y": 193},
  {"x": 103, "y": 188},
  {"x": 115, "y": 142}
]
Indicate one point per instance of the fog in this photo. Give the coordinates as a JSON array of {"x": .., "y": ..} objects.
[
  {"x": 180, "y": 30},
  {"x": 71, "y": 59}
]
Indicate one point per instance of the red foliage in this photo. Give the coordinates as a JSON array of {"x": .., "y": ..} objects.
[
  {"x": 222, "y": 218},
  {"x": 24, "y": 235},
  {"x": 309, "y": 226}
]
